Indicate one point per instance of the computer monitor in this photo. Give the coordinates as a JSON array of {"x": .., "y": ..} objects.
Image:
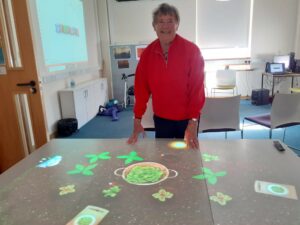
[
  {"x": 283, "y": 59},
  {"x": 277, "y": 68}
]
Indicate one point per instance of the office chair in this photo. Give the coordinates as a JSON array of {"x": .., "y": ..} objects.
[
  {"x": 285, "y": 112},
  {"x": 220, "y": 114},
  {"x": 225, "y": 81}
]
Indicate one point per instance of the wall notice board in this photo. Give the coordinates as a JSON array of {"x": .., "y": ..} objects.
[{"x": 124, "y": 59}]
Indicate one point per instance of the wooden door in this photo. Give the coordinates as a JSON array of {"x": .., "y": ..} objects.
[{"x": 22, "y": 122}]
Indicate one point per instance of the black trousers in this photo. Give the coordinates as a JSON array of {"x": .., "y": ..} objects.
[{"x": 169, "y": 128}]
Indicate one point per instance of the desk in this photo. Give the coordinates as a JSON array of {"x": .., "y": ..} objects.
[
  {"x": 30, "y": 194},
  {"x": 278, "y": 77}
]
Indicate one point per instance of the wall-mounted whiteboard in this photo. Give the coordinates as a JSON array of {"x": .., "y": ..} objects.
[{"x": 66, "y": 37}]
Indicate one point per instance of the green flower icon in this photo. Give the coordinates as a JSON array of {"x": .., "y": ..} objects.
[
  {"x": 211, "y": 177},
  {"x": 94, "y": 158},
  {"x": 162, "y": 195},
  {"x": 112, "y": 192},
  {"x": 220, "y": 198},
  {"x": 207, "y": 157},
  {"x": 85, "y": 170},
  {"x": 132, "y": 156},
  {"x": 67, "y": 189}
]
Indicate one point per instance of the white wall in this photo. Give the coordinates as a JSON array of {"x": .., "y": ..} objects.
[
  {"x": 131, "y": 22},
  {"x": 273, "y": 32},
  {"x": 274, "y": 29},
  {"x": 52, "y": 83},
  {"x": 297, "y": 40},
  {"x": 105, "y": 42}
]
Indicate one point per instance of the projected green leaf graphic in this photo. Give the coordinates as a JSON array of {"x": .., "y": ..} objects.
[
  {"x": 207, "y": 157},
  {"x": 84, "y": 170},
  {"x": 132, "y": 156},
  {"x": 220, "y": 198},
  {"x": 94, "y": 157},
  {"x": 112, "y": 192},
  {"x": 209, "y": 175}
]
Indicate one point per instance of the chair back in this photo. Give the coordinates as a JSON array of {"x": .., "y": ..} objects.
[
  {"x": 285, "y": 110},
  {"x": 220, "y": 114},
  {"x": 147, "y": 120},
  {"x": 225, "y": 78}
]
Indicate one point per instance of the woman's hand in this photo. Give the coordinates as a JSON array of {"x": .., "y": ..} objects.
[
  {"x": 137, "y": 130},
  {"x": 191, "y": 134}
]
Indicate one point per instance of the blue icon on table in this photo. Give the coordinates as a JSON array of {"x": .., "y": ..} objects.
[{"x": 49, "y": 162}]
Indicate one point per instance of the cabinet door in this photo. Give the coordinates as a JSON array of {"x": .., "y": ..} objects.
[
  {"x": 91, "y": 107},
  {"x": 80, "y": 96},
  {"x": 67, "y": 104},
  {"x": 103, "y": 91},
  {"x": 100, "y": 94},
  {"x": 96, "y": 96}
]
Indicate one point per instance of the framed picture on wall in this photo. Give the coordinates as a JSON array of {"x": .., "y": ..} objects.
[
  {"x": 139, "y": 50},
  {"x": 123, "y": 64},
  {"x": 122, "y": 52}
]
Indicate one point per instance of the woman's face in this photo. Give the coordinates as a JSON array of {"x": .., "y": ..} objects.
[{"x": 165, "y": 27}]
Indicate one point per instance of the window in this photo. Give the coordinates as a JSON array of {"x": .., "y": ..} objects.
[
  {"x": 10, "y": 38},
  {"x": 224, "y": 28}
]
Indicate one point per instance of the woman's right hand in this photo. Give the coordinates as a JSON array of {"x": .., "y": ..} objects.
[{"x": 137, "y": 130}]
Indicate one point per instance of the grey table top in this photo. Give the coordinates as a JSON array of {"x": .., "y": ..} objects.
[{"x": 215, "y": 185}]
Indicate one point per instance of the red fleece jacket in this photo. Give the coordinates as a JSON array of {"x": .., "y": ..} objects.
[{"x": 176, "y": 85}]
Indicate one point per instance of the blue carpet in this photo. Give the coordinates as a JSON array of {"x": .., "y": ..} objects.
[{"x": 103, "y": 127}]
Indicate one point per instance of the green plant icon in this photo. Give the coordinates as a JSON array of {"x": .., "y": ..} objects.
[
  {"x": 162, "y": 195},
  {"x": 220, "y": 198},
  {"x": 94, "y": 157},
  {"x": 132, "y": 156},
  {"x": 209, "y": 175},
  {"x": 111, "y": 192},
  {"x": 207, "y": 157},
  {"x": 84, "y": 170}
]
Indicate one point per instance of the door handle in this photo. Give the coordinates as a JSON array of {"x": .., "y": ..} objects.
[{"x": 30, "y": 84}]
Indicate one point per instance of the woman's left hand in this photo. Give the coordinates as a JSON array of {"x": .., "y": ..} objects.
[{"x": 191, "y": 135}]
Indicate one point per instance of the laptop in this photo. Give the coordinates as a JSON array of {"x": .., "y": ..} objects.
[{"x": 277, "y": 68}]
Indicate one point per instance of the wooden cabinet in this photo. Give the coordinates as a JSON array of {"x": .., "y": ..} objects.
[{"x": 82, "y": 102}]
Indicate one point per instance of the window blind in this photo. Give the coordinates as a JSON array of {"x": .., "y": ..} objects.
[{"x": 224, "y": 26}]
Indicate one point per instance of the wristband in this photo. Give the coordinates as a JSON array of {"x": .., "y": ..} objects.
[
  {"x": 137, "y": 118},
  {"x": 194, "y": 120}
]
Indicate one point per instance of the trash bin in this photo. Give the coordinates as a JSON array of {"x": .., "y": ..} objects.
[
  {"x": 66, "y": 127},
  {"x": 260, "y": 96}
]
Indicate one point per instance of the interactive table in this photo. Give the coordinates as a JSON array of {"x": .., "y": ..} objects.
[{"x": 155, "y": 182}]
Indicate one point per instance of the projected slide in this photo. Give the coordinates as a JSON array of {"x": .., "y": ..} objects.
[{"x": 62, "y": 28}]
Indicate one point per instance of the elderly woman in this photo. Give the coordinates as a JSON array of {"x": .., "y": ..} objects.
[{"x": 171, "y": 70}]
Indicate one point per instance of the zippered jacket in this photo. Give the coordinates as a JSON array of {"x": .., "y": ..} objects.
[{"x": 176, "y": 84}]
